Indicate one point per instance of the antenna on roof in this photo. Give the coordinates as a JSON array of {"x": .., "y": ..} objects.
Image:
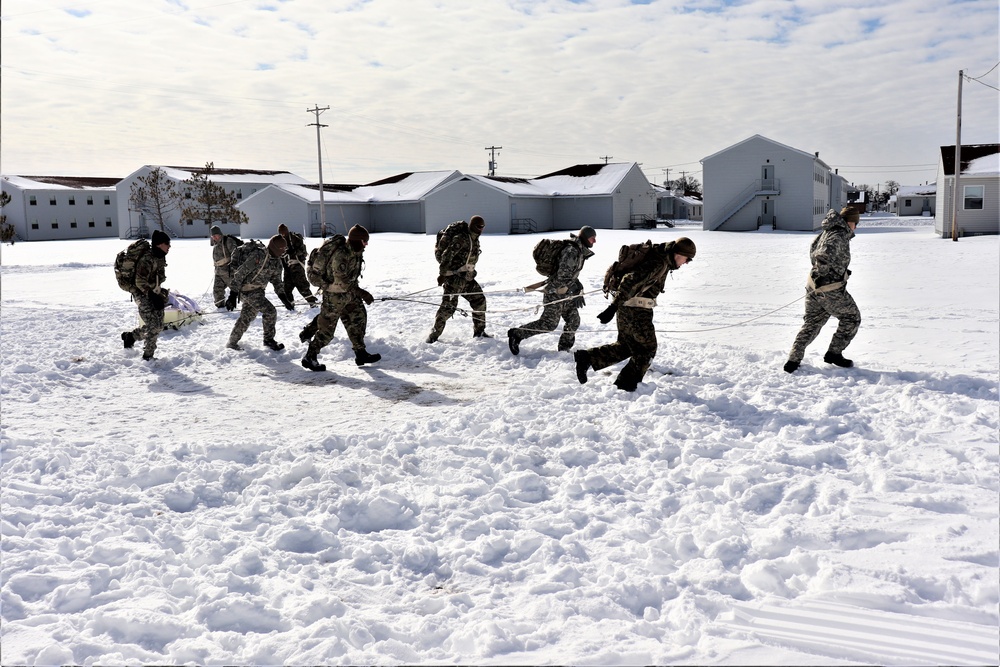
[
  {"x": 493, "y": 162},
  {"x": 606, "y": 158}
]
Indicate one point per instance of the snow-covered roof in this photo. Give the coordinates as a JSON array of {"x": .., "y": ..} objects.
[
  {"x": 988, "y": 165},
  {"x": 771, "y": 141},
  {"x": 62, "y": 182},
  {"x": 515, "y": 187},
  {"x": 220, "y": 175},
  {"x": 411, "y": 186},
  {"x": 978, "y": 160},
  {"x": 310, "y": 193},
  {"x": 916, "y": 190},
  {"x": 584, "y": 180}
]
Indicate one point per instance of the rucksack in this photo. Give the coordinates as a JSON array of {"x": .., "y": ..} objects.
[
  {"x": 320, "y": 257},
  {"x": 546, "y": 255},
  {"x": 125, "y": 263},
  {"x": 242, "y": 252},
  {"x": 629, "y": 257},
  {"x": 236, "y": 239},
  {"x": 446, "y": 235}
]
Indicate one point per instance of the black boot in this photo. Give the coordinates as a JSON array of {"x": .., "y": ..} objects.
[
  {"x": 628, "y": 379},
  {"x": 791, "y": 366},
  {"x": 309, "y": 331},
  {"x": 273, "y": 344},
  {"x": 361, "y": 357},
  {"x": 128, "y": 338},
  {"x": 481, "y": 334},
  {"x": 837, "y": 359},
  {"x": 309, "y": 361},
  {"x": 513, "y": 341},
  {"x": 582, "y": 358}
]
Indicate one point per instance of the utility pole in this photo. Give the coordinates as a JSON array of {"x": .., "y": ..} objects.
[
  {"x": 319, "y": 154},
  {"x": 958, "y": 160},
  {"x": 666, "y": 178},
  {"x": 493, "y": 161},
  {"x": 605, "y": 158}
]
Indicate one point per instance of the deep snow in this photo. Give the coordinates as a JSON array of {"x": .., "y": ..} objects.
[{"x": 456, "y": 504}]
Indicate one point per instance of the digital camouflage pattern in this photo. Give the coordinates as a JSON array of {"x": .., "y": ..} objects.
[
  {"x": 830, "y": 254},
  {"x": 222, "y": 254},
  {"x": 294, "y": 263},
  {"x": 558, "y": 297},
  {"x": 341, "y": 300},
  {"x": 150, "y": 274},
  {"x": 458, "y": 278},
  {"x": 249, "y": 280}
]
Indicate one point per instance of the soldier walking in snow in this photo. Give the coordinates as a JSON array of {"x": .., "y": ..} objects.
[
  {"x": 826, "y": 291},
  {"x": 457, "y": 275},
  {"x": 294, "y": 263},
  {"x": 635, "y": 293},
  {"x": 562, "y": 298},
  {"x": 150, "y": 295},
  {"x": 222, "y": 253},
  {"x": 258, "y": 267}
]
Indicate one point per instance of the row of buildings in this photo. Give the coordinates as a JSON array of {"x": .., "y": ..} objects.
[{"x": 755, "y": 183}]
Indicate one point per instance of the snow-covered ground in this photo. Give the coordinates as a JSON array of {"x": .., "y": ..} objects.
[{"x": 456, "y": 504}]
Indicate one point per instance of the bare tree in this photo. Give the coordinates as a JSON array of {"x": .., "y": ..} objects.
[
  {"x": 155, "y": 196},
  {"x": 209, "y": 201},
  {"x": 6, "y": 231}
]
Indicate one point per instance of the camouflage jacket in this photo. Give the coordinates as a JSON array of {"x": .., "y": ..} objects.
[
  {"x": 830, "y": 252},
  {"x": 296, "y": 249},
  {"x": 346, "y": 266},
  {"x": 461, "y": 254},
  {"x": 150, "y": 273},
  {"x": 257, "y": 270},
  {"x": 649, "y": 276},
  {"x": 567, "y": 275},
  {"x": 222, "y": 252}
]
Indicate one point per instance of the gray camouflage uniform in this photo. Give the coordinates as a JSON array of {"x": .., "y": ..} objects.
[
  {"x": 830, "y": 254},
  {"x": 457, "y": 275},
  {"x": 222, "y": 254},
  {"x": 150, "y": 274},
  {"x": 558, "y": 297},
  {"x": 636, "y": 333},
  {"x": 294, "y": 263},
  {"x": 341, "y": 302},
  {"x": 249, "y": 280}
]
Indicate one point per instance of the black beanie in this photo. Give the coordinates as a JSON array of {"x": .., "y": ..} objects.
[{"x": 159, "y": 237}]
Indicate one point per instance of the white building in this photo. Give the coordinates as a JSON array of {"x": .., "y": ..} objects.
[
  {"x": 978, "y": 210},
  {"x": 46, "y": 208},
  {"x": 916, "y": 200},
  {"x": 241, "y": 182},
  {"x": 760, "y": 182}
]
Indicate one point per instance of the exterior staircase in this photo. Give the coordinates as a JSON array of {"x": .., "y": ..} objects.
[{"x": 757, "y": 188}]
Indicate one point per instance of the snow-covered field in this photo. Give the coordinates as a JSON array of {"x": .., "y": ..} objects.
[{"x": 456, "y": 504}]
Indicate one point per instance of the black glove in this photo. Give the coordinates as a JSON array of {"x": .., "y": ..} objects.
[
  {"x": 441, "y": 280},
  {"x": 156, "y": 300},
  {"x": 366, "y": 296},
  {"x": 578, "y": 302},
  {"x": 231, "y": 301},
  {"x": 286, "y": 301},
  {"x": 608, "y": 313}
]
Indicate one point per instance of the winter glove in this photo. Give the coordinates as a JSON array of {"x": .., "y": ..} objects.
[
  {"x": 286, "y": 301},
  {"x": 366, "y": 296},
  {"x": 441, "y": 280},
  {"x": 156, "y": 300},
  {"x": 231, "y": 301},
  {"x": 578, "y": 302},
  {"x": 608, "y": 313}
]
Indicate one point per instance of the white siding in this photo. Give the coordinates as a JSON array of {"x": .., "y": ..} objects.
[
  {"x": 69, "y": 217},
  {"x": 462, "y": 199}
]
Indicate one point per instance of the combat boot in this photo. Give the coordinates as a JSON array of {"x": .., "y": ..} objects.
[
  {"x": 433, "y": 337},
  {"x": 128, "y": 339},
  {"x": 582, "y": 358},
  {"x": 309, "y": 361},
  {"x": 274, "y": 345},
  {"x": 481, "y": 334},
  {"x": 361, "y": 357},
  {"x": 513, "y": 341},
  {"x": 837, "y": 359},
  {"x": 233, "y": 345},
  {"x": 791, "y": 366}
]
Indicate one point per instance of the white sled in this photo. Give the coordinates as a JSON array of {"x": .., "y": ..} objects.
[{"x": 180, "y": 311}]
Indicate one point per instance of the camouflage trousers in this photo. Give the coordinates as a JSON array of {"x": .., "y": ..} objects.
[
  {"x": 470, "y": 290},
  {"x": 222, "y": 281},
  {"x": 636, "y": 342},
  {"x": 152, "y": 324},
  {"x": 819, "y": 309},
  {"x": 294, "y": 278},
  {"x": 254, "y": 302},
  {"x": 338, "y": 307},
  {"x": 567, "y": 310}
]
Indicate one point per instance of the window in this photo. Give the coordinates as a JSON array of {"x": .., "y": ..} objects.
[
  {"x": 32, "y": 201},
  {"x": 91, "y": 224},
  {"x": 107, "y": 200},
  {"x": 72, "y": 200},
  {"x": 90, "y": 201},
  {"x": 907, "y": 202},
  {"x": 239, "y": 194},
  {"x": 974, "y": 197},
  {"x": 52, "y": 201},
  {"x": 55, "y": 225},
  {"x": 107, "y": 222},
  {"x": 34, "y": 225},
  {"x": 72, "y": 225}
]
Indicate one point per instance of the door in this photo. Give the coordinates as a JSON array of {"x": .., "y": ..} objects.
[
  {"x": 767, "y": 177},
  {"x": 767, "y": 213}
]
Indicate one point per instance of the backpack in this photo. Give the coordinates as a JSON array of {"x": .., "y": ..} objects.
[
  {"x": 546, "y": 255},
  {"x": 320, "y": 257},
  {"x": 125, "y": 263},
  {"x": 242, "y": 252},
  {"x": 236, "y": 239},
  {"x": 446, "y": 235},
  {"x": 629, "y": 257}
]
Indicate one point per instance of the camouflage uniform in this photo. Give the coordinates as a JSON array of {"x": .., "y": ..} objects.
[
  {"x": 341, "y": 302},
  {"x": 150, "y": 274},
  {"x": 250, "y": 279},
  {"x": 458, "y": 278},
  {"x": 294, "y": 263},
  {"x": 558, "y": 297},
  {"x": 222, "y": 254},
  {"x": 830, "y": 254},
  {"x": 636, "y": 333}
]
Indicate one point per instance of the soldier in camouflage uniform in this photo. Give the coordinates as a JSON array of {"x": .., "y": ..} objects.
[
  {"x": 260, "y": 267},
  {"x": 826, "y": 291},
  {"x": 457, "y": 275},
  {"x": 560, "y": 290},
  {"x": 343, "y": 300},
  {"x": 222, "y": 253},
  {"x": 294, "y": 263},
  {"x": 150, "y": 295},
  {"x": 633, "y": 304}
]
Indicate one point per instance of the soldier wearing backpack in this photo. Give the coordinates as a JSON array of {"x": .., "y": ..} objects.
[
  {"x": 294, "y": 263},
  {"x": 223, "y": 246},
  {"x": 335, "y": 267},
  {"x": 562, "y": 286},
  {"x": 150, "y": 272},
  {"x": 635, "y": 281},
  {"x": 457, "y": 251},
  {"x": 254, "y": 266}
]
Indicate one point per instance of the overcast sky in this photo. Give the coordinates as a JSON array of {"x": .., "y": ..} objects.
[{"x": 102, "y": 87}]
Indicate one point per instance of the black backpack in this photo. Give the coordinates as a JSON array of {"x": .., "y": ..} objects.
[{"x": 125, "y": 263}]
